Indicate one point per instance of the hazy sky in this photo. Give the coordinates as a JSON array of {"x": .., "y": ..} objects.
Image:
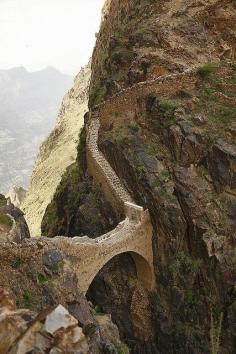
[{"x": 39, "y": 33}]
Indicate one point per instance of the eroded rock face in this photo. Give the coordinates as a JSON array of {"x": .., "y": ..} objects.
[
  {"x": 222, "y": 162},
  {"x": 13, "y": 226},
  {"x": 172, "y": 142}
]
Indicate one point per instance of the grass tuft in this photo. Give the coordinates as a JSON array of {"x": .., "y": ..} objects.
[{"x": 207, "y": 69}]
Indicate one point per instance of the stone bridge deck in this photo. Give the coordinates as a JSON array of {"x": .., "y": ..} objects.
[{"x": 101, "y": 170}]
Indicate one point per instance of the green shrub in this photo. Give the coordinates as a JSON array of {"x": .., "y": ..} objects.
[
  {"x": 89, "y": 329},
  {"x": 232, "y": 79},
  {"x": 133, "y": 127},
  {"x": 27, "y": 298},
  {"x": 6, "y": 221},
  {"x": 163, "y": 177},
  {"x": 120, "y": 347},
  {"x": 207, "y": 69},
  {"x": 215, "y": 333},
  {"x": 138, "y": 165},
  {"x": 120, "y": 140},
  {"x": 183, "y": 266},
  {"x": 153, "y": 149},
  {"x": 167, "y": 107},
  {"x": 41, "y": 278},
  {"x": 228, "y": 112},
  {"x": 96, "y": 95},
  {"x": 2, "y": 200}
]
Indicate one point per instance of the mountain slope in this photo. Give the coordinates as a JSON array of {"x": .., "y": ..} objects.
[
  {"x": 166, "y": 71},
  {"x": 57, "y": 152},
  {"x": 29, "y": 102}
]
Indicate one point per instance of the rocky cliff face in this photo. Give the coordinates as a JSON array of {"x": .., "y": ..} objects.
[
  {"x": 57, "y": 152},
  {"x": 13, "y": 226},
  {"x": 172, "y": 141},
  {"x": 74, "y": 326}
]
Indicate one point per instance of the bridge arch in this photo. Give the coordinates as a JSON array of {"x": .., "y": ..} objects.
[{"x": 143, "y": 269}]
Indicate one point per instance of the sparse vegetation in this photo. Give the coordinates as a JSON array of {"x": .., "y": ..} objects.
[
  {"x": 153, "y": 149},
  {"x": 183, "y": 265},
  {"x": 163, "y": 177},
  {"x": 133, "y": 127},
  {"x": 41, "y": 278},
  {"x": 201, "y": 171},
  {"x": 27, "y": 296},
  {"x": 138, "y": 165},
  {"x": 6, "y": 221},
  {"x": 97, "y": 311},
  {"x": 89, "y": 329},
  {"x": 167, "y": 107},
  {"x": 231, "y": 258},
  {"x": 96, "y": 95},
  {"x": 120, "y": 347},
  {"x": 120, "y": 140},
  {"x": 215, "y": 333},
  {"x": 2, "y": 200},
  {"x": 207, "y": 69}
]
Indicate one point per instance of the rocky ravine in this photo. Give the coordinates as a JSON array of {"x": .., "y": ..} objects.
[
  {"x": 166, "y": 72},
  {"x": 171, "y": 140},
  {"x": 57, "y": 152}
]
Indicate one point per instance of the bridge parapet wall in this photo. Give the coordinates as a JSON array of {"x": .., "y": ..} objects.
[
  {"x": 102, "y": 172},
  {"x": 89, "y": 256},
  {"x": 126, "y": 99}
]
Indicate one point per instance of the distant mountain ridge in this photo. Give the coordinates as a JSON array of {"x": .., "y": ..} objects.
[{"x": 29, "y": 103}]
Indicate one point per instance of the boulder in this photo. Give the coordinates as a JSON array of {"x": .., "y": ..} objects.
[{"x": 222, "y": 165}]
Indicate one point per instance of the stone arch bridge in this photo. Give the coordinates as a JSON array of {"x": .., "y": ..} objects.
[{"x": 133, "y": 234}]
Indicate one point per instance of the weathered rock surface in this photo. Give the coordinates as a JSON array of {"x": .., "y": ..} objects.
[
  {"x": 57, "y": 153},
  {"x": 13, "y": 226},
  {"x": 16, "y": 195},
  {"x": 55, "y": 330},
  {"x": 171, "y": 140}
]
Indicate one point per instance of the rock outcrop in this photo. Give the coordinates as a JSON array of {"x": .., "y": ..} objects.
[
  {"x": 55, "y": 330},
  {"x": 13, "y": 226},
  {"x": 57, "y": 153},
  {"x": 16, "y": 195}
]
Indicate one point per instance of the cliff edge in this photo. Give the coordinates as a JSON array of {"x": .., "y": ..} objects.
[{"x": 57, "y": 152}]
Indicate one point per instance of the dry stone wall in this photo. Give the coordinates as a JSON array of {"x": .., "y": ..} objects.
[
  {"x": 102, "y": 171},
  {"x": 126, "y": 99}
]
